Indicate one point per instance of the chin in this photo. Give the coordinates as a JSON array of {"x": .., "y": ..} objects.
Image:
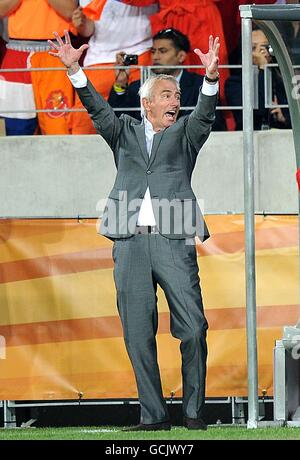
[
  {"x": 162, "y": 71},
  {"x": 169, "y": 123}
]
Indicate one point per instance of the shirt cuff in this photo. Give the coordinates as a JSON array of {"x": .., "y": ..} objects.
[
  {"x": 78, "y": 79},
  {"x": 210, "y": 89}
]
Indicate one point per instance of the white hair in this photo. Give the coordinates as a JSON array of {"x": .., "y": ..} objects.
[{"x": 146, "y": 89}]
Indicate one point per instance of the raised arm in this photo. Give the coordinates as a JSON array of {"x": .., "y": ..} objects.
[
  {"x": 200, "y": 121},
  {"x": 84, "y": 26},
  {"x": 102, "y": 115}
]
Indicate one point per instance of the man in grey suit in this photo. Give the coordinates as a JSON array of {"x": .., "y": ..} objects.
[{"x": 153, "y": 217}]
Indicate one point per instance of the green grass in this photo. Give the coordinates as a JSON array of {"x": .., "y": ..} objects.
[{"x": 177, "y": 433}]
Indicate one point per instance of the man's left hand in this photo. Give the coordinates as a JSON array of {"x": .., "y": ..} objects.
[{"x": 210, "y": 60}]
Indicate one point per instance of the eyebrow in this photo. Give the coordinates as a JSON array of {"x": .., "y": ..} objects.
[
  {"x": 169, "y": 91},
  {"x": 161, "y": 48}
]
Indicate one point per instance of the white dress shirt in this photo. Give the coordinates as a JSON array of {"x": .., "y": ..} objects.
[{"x": 146, "y": 215}]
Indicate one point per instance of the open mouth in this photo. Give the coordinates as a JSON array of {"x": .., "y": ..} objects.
[{"x": 171, "y": 115}]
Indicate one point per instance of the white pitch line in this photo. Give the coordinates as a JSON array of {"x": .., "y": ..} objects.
[{"x": 98, "y": 431}]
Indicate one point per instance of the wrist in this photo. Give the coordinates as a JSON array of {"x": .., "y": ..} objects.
[
  {"x": 73, "y": 68},
  {"x": 119, "y": 89},
  {"x": 212, "y": 77}
]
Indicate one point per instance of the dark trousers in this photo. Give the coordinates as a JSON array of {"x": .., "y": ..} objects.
[{"x": 142, "y": 262}]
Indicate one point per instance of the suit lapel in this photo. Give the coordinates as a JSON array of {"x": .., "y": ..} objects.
[{"x": 140, "y": 134}]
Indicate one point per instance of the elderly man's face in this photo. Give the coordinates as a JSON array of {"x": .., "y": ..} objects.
[
  {"x": 164, "y": 53},
  {"x": 163, "y": 106}
]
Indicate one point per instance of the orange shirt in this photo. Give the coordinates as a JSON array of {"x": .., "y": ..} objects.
[{"x": 35, "y": 20}]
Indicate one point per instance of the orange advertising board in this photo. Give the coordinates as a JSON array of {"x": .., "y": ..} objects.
[{"x": 59, "y": 327}]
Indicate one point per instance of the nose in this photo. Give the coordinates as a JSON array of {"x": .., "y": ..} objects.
[
  {"x": 175, "y": 102},
  {"x": 155, "y": 56}
]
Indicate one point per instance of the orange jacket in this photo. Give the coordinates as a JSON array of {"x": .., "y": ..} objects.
[{"x": 36, "y": 20}]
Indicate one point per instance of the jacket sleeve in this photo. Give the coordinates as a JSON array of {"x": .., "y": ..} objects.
[
  {"x": 103, "y": 117},
  {"x": 199, "y": 122}
]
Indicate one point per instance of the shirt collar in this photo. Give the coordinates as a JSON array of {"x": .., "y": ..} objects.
[
  {"x": 179, "y": 76},
  {"x": 148, "y": 126}
]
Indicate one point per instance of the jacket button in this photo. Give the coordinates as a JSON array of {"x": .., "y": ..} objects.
[{"x": 149, "y": 172}]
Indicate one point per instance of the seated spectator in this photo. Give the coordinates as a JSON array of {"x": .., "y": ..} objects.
[
  {"x": 170, "y": 48},
  {"x": 120, "y": 25},
  {"x": 264, "y": 118},
  {"x": 231, "y": 20},
  {"x": 197, "y": 19},
  {"x": 30, "y": 24}
]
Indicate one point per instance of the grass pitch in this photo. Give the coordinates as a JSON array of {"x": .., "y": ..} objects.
[{"x": 176, "y": 434}]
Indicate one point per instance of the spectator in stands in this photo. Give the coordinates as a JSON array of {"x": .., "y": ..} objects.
[
  {"x": 197, "y": 19},
  {"x": 30, "y": 24},
  {"x": 231, "y": 20},
  {"x": 170, "y": 48},
  {"x": 119, "y": 26},
  {"x": 264, "y": 118}
]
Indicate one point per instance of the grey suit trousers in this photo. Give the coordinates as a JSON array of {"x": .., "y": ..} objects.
[{"x": 142, "y": 262}]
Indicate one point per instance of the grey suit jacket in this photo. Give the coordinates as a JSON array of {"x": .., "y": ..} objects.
[{"x": 167, "y": 172}]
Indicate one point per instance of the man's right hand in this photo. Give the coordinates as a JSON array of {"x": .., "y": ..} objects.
[
  {"x": 68, "y": 55},
  {"x": 261, "y": 56},
  {"x": 122, "y": 75}
]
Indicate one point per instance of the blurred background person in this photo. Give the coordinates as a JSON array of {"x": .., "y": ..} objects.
[
  {"x": 120, "y": 26},
  {"x": 231, "y": 21},
  {"x": 30, "y": 25},
  {"x": 170, "y": 48},
  {"x": 264, "y": 118},
  {"x": 197, "y": 19}
]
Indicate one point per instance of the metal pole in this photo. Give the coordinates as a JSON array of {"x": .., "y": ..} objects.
[
  {"x": 9, "y": 415},
  {"x": 248, "y": 146}
]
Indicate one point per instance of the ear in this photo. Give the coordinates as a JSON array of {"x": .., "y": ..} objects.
[
  {"x": 146, "y": 104},
  {"x": 181, "y": 56}
]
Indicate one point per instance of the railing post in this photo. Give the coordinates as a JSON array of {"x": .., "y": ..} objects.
[{"x": 248, "y": 90}]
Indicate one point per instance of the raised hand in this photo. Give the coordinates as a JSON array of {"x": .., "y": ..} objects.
[
  {"x": 68, "y": 55},
  {"x": 122, "y": 75},
  {"x": 210, "y": 60}
]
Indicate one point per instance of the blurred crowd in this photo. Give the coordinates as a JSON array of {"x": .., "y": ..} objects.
[{"x": 123, "y": 34}]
